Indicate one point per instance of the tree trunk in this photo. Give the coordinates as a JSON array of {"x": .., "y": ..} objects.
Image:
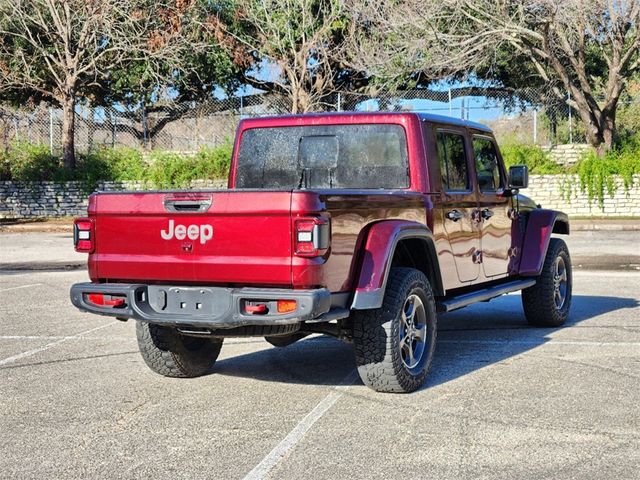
[
  {"x": 295, "y": 101},
  {"x": 68, "y": 130},
  {"x": 600, "y": 125},
  {"x": 600, "y": 131},
  {"x": 608, "y": 129}
]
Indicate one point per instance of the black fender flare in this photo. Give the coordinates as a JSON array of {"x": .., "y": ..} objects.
[
  {"x": 379, "y": 249},
  {"x": 541, "y": 223}
]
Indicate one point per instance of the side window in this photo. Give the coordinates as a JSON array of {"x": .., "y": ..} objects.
[
  {"x": 453, "y": 161},
  {"x": 487, "y": 168}
]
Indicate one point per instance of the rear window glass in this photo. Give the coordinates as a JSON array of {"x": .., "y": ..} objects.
[{"x": 323, "y": 156}]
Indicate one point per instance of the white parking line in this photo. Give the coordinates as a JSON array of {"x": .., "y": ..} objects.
[
  {"x": 541, "y": 342},
  {"x": 293, "y": 438},
  {"x": 28, "y": 353},
  {"x": 35, "y": 337},
  {"x": 21, "y": 286}
]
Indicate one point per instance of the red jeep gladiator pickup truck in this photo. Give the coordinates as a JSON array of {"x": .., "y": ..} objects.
[{"x": 363, "y": 226}]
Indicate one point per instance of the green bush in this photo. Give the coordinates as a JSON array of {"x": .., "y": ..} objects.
[
  {"x": 118, "y": 164},
  {"x": 29, "y": 162},
  {"x": 5, "y": 166},
  {"x": 214, "y": 162},
  {"x": 172, "y": 170},
  {"x": 597, "y": 173},
  {"x": 538, "y": 161},
  {"x": 169, "y": 170}
]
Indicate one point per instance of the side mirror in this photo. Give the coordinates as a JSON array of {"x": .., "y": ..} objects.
[{"x": 518, "y": 176}]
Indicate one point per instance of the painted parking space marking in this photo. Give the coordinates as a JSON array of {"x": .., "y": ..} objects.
[
  {"x": 280, "y": 451},
  {"x": 541, "y": 343},
  {"x": 29, "y": 353},
  {"x": 21, "y": 286},
  {"x": 35, "y": 337}
]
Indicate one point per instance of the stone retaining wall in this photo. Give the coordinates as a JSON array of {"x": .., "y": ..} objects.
[
  {"x": 48, "y": 199},
  {"x": 568, "y": 155},
  {"x": 551, "y": 191}
]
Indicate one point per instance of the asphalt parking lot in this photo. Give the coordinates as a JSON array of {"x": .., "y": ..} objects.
[{"x": 502, "y": 400}]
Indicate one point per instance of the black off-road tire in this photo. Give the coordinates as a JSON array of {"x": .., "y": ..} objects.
[
  {"x": 171, "y": 354},
  {"x": 377, "y": 335},
  {"x": 540, "y": 303}
]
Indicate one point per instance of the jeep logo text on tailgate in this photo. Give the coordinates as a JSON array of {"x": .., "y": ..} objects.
[{"x": 180, "y": 232}]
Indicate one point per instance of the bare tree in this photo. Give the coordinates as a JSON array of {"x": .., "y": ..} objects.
[
  {"x": 588, "y": 48},
  {"x": 58, "y": 49},
  {"x": 294, "y": 46}
]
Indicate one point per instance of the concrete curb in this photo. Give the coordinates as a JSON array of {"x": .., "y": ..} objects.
[
  {"x": 631, "y": 226},
  {"x": 43, "y": 266}
]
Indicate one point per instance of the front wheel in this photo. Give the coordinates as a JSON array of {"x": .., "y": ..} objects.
[
  {"x": 547, "y": 303},
  {"x": 169, "y": 353},
  {"x": 394, "y": 344}
]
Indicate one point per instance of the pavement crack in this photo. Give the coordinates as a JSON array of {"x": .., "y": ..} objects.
[{"x": 129, "y": 415}]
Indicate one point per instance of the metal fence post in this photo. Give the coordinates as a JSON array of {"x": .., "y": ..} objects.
[
  {"x": 535, "y": 126},
  {"x": 339, "y": 105},
  {"x": 145, "y": 140},
  {"x": 113, "y": 128},
  {"x": 51, "y": 131},
  {"x": 570, "y": 119},
  {"x": 450, "y": 104}
]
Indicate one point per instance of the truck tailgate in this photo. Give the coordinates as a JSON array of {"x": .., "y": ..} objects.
[{"x": 225, "y": 237}]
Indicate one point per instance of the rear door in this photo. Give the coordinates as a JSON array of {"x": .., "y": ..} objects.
[
  {"x": 459, "y": 202},
  {"x": 494, "y": 206},
  {"x": 224, "y": 237}
]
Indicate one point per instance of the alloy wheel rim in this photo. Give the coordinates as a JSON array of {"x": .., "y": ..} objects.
[
  {"x": 560, "y": 283},
  {"x": 413, "y": 332}
]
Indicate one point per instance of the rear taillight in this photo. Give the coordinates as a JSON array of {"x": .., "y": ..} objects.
[
  {"x": 103, "y": 300},
  {"x": 312, "y": 236},
  {"x": 83, "y": 235}
]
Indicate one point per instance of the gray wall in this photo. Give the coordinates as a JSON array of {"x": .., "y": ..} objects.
[{"x": 48, "y": 199}]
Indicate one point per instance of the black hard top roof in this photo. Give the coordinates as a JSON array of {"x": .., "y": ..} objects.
[
  {"x": 426, "y": 117},
  {"x": 429, "y": 117}
]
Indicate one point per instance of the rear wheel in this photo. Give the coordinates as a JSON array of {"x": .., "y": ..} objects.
[
  {"x": 171, "y": 354},
  {"x": 547, "y": 303},
  {"x": 394, "y": 344}
]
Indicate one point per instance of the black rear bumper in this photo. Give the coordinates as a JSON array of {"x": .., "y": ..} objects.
[{"x": 207, "y": 307}]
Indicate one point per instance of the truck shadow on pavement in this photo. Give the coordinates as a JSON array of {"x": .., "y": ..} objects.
[{"x": 468, "y": 340}]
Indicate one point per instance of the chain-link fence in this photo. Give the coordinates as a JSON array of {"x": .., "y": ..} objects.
[{"x": 524, "y": 116}]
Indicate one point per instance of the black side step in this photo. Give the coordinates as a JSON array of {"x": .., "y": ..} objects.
[{"x": 483, "y": 295}]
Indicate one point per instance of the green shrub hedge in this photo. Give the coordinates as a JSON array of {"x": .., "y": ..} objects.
[
  {"x": 169, "y": 169},
  {"x": 28, "y": 162},
  {"x": 534, "y": 157}
]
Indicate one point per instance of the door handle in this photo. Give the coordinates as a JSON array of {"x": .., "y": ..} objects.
[
  {"x": 487, "y": 214},
  {"x": 187, "y": 203},
  {"x": 455, "y": 215}
]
